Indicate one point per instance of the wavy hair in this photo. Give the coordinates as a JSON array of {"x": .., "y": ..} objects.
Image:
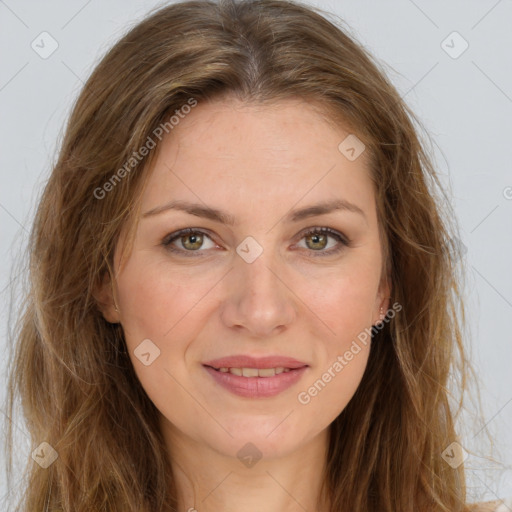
[{"x": 71, "y": 371}]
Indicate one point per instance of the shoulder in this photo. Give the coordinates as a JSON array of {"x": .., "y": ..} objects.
[{"x": 504, "y": 505}]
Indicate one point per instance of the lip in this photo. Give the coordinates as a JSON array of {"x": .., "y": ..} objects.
[
  {"x": 244, "y": 361},
  {"x": 257, "y": 387}
]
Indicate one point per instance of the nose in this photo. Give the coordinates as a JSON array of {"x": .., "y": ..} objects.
[{"x": 258, "y": 300}]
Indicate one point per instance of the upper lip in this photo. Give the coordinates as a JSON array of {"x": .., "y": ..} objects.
[{"x": 244, "y": 361}]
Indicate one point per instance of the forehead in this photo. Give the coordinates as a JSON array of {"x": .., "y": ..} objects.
[{"x": 256, "y": 156}]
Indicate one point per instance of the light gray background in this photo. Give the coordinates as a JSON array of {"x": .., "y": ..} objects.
[{"x": 465, "y": 103}]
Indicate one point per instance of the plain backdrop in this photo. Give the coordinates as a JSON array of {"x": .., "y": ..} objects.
[{"x": 450, "y": 60}]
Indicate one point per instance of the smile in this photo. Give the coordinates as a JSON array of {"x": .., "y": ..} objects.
[
  {"x": 254, "y": 372},
  {"x": 256, "y": 382}
]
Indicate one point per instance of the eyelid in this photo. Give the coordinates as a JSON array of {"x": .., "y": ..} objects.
[{"x": 326, "y": 230}]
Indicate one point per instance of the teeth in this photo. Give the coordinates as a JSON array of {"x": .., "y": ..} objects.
[{"x": 255, "y": 372}]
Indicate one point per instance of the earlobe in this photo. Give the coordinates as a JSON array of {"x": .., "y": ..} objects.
[
  {"x": 382, "y": 303},
  {"x": 104, "y": 295}
]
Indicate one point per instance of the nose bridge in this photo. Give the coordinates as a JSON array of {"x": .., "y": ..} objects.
[
  {"x": 257, "y": 298},
  {"x": 258, "y": 276},
  {"x": 254, "y": 274},
  {"x": 254, "y": 260}
]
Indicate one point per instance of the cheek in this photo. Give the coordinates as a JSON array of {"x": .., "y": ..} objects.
[
  {"x": 346, "y": 308},
  {"x": 343, "y": 299},
  {"x": 155, "y": 300},
  {"x": 332, "y": 387},
  {"x": 167, "y": 307},
  {"x": 162, "y": 306}
]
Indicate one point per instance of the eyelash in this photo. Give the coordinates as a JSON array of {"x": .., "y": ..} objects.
[{"x": 344, "y": 241}]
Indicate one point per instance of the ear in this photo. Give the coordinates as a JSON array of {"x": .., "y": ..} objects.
[
  {"x": 382, "y": 300},
  {"x": 104, "y": 296}
]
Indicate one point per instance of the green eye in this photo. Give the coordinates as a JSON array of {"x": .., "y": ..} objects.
[
  {"x": 192, "y": 241},
  {"x": 320, "y": 237}
]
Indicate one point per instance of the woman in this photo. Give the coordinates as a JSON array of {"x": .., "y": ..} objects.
[{"x": 243, "y": 289}]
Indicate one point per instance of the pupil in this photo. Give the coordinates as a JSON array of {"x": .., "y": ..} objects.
[
  {"x": 192, "y": 240},
  {"x": 316, "y": 239}
]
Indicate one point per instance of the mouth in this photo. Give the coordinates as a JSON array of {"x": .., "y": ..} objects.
[
  {"x": 248, "y": 363},
  {"x": 255, "y": 372},
  {"x": 256, "y": 383}
]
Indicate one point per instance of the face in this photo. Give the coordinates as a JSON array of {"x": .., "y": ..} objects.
[{"x": 263, "y": 275}]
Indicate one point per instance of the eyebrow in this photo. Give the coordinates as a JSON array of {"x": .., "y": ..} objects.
[{"x": 201, "y": 210}]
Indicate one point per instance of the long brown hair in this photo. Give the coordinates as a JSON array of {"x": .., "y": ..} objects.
[{"x": 78, "y": 390}]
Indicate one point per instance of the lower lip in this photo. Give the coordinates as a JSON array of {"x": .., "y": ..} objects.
[{"x": 256, "y": 387}]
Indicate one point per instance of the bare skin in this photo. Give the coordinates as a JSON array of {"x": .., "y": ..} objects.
[{"x": 298, "y": 298}]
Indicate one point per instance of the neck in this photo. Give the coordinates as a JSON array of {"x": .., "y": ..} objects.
[{"x": 208, "y": 480}]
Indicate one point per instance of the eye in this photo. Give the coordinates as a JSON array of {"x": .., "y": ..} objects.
[
  {"x": 319, "y": 241},
  {"x": 192, "y": 241}
]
